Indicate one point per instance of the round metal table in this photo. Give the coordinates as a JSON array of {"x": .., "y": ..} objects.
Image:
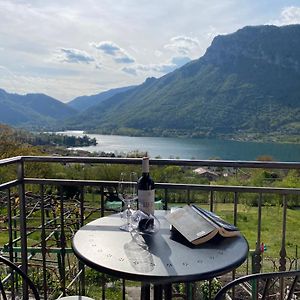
[{"x": 102, "y": 246}]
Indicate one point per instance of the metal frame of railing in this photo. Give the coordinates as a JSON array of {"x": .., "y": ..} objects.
[{"x": 57, "y": 225}]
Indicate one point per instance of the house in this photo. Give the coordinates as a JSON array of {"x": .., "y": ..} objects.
[{"x": 203, "y": 172}]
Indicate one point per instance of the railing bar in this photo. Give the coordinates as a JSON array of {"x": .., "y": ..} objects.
[
  {"x": 256, "y": 263},
  {"x": 266, "y": 287},
  {"x": 80, "y": 264},
  {"x": 159, "y": 162},
  {"x": 166, "y": 200},
  {"x": 9, "y": 184},
  {"x": 102, "y": 200},
  {"x": 235, "y": 208},
  {"x": 74, "y": 279},
  {"x": 282, "y": 253},
  {"x": 188, "y": 196},
  {"x": 10, "y": 160},
  {"x": 292, "y": 289},
  {"x": 17, "y": 239},
  {"x": 175, "y": 186},
  {"x": 62, "y": 242},
  {"x": 43, "y": 242},
  {"x": 211, "y": 201},
  {"x": 10, "y": 240},
  {"x": 23, "y": 230},
  {"x": 2, "y": 291}
]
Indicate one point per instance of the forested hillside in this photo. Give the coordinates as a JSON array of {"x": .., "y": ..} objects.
[
  {"x": 247, "y": 82},
  {"x": 32, "y": 110}
]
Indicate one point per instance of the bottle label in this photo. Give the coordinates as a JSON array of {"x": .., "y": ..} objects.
[{"x": 146, "y": 201}]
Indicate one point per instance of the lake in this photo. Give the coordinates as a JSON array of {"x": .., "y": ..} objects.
[{"x": 188, "y": 148}]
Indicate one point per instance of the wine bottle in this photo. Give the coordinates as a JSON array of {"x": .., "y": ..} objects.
[{"x": 146, "y": 191}]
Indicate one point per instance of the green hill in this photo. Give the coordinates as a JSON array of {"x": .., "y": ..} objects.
[
  {"x": 247, "y": 82},
  {"x": 32, "y": 110},
  {"x": 84, "y": 102}
]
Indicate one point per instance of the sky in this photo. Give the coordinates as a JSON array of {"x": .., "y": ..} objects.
[{"x": 70, "y": 48}]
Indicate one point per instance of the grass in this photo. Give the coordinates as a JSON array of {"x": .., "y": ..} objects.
[
  {"x": 271, "y": 227},
  {"x": 247, "y": 218}
]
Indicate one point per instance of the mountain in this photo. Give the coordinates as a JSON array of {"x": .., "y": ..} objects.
[
  {"x": 246, "y": 82},
  {"x": 84, "y": 102},
  {"x": 32, "y": 110}
]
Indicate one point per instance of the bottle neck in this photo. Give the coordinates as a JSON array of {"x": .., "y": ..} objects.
[{"x": 145, "y": 166}]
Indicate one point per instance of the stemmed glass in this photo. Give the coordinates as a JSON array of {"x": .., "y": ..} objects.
[{"x": 127, "y": 192}]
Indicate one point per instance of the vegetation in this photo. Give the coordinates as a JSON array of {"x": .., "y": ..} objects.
[
  {"x": 32, "y": 110},
  {"x": 14, "y": 141},
  {"x": 246, "y": 86},
  {"x": 11, "y": 144}
]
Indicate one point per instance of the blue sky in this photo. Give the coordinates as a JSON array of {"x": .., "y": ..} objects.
[{"x": 67, "y": 48}]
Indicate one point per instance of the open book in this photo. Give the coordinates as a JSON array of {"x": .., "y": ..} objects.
[{"x": 198, "y": 225}]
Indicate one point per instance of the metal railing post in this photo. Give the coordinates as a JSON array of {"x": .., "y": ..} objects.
[
  {"x": 43, "y": 242},
  {"x": 23, "y": 229},
  {"x": 282, "y": 253},
  {"x": 62, "y": 242},
  {"x": 81, "y": 222},
  {"x": 256, "y": 258}
]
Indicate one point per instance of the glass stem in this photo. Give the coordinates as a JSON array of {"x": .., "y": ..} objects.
[{"x": 128, "y": 213}]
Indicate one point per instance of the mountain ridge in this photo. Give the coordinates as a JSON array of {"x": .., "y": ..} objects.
[
  {"x": 31, "y": 110},
  {"x": 82, "y": 103},
  {"x": 246, "y": 82}
]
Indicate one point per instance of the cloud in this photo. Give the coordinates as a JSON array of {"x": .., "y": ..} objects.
[
  {"x": 163, "y": 68},
  {"x": 107, "y": 47},
  {"x": 130, "y": 70},
  {"x": 289, "y": 15},
  {"x": 110, "y": 48},
  {"x": 124, "y": 60},
  {"x": 74, "y": 56},
  {"x": 182, "y": 45}
]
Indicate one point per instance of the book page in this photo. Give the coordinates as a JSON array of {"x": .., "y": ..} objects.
[{"x": 215, "y": 218}]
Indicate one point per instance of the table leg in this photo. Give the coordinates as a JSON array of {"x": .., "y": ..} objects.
[
  {"x": 145, "y": 291},
  {"x": 168, "y": 291},
  {"x": 158, "y": 292}
]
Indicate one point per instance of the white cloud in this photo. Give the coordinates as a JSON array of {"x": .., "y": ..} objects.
[
  {"x": 157, "y": 69},
  {"x": 73, "y": 56},
  {"x": 130, "y": 70},
  {"x": 289, "y": 15},
  {"x": 110, "y": 48},
  {"x": 182, "y": 44},
  {"x": 30, "y": 31}
]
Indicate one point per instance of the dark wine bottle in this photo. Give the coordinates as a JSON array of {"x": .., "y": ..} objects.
[{"x": 146, "y": 191}]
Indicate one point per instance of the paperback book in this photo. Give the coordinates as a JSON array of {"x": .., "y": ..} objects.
[{"x": 198, "y": 225}]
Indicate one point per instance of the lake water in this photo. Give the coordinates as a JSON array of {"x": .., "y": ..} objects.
[{"x": 188, "y": 148}]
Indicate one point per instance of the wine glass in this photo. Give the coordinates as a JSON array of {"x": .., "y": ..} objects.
[
  {"x": 127, "y": 192},
  {"x": 144, "y": 223}
]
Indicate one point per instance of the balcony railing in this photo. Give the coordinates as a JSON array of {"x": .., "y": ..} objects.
[{"x": 39, "y": 215}]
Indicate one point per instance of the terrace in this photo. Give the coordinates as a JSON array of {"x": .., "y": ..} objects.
[{"x": 40, "y": 214}]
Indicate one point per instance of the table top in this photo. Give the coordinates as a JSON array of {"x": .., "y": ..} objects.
[{"x": 101, "y": 245}]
